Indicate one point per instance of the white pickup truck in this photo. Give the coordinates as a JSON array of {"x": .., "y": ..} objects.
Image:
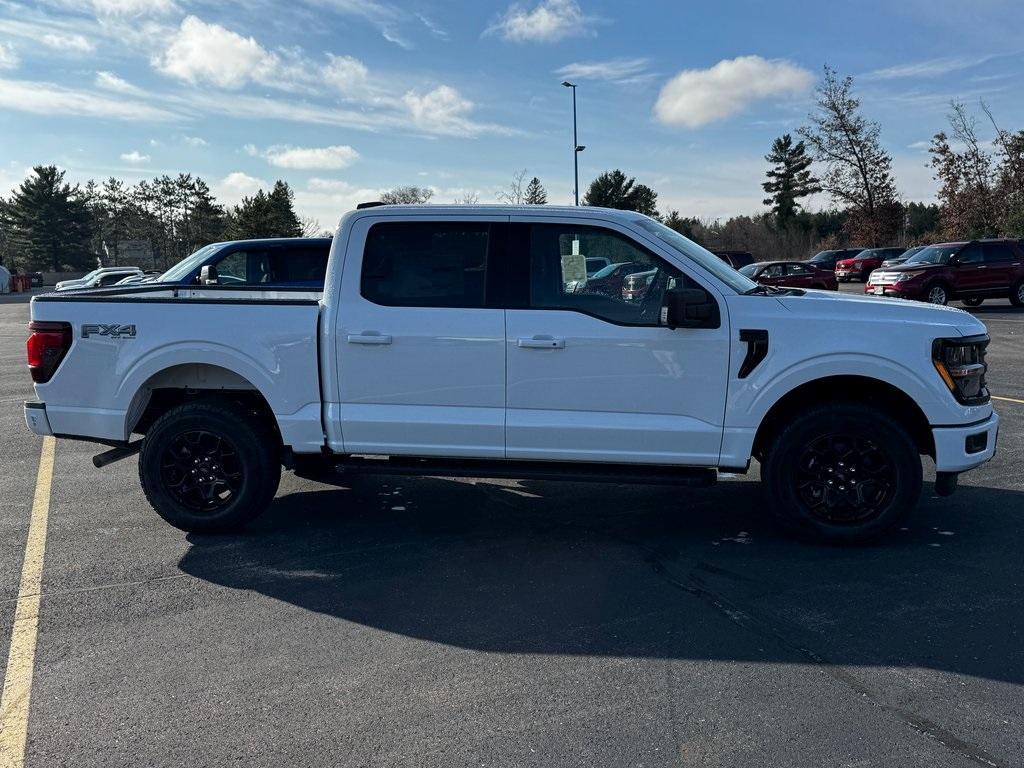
[{"x": 470, "y": 341}]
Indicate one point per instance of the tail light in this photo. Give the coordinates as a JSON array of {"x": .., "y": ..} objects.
[{"x": 47, "y": 345}]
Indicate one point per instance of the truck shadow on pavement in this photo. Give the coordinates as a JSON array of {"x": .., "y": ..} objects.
[{"x": 640, "y": 572}]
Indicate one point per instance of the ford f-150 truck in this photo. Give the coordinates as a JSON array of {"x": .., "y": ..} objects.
[{"x": 446, "y": 342}]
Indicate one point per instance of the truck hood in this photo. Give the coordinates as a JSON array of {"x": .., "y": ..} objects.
[{"x": 848, "y": 310}]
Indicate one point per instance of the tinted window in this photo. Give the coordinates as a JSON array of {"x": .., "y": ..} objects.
[
  {"x": 970, "y": 254},
  {"x": 995, "y": 253},
  {"x": 797, "y": 269},
  {"x": 558, "y": 255},
  {"x": 435, "y": 264}
]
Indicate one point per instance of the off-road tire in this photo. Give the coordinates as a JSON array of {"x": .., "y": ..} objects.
[
  {"x": 247, "y": 456},
  {"x": 786, "y": 470}
]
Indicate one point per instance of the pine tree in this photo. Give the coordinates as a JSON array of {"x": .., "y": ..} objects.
[
  {"x": 284, "y": 221},
  {"x": 535, "y": 193},
  {"x": 613, "y": 190},
  {"x": 49, "y": 222},
  {"x": 789, "y": 179}
]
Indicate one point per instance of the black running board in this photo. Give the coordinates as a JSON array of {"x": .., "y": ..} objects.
[{"x": 648, "y": 474}]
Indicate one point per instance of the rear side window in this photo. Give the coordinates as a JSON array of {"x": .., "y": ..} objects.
[
  {"x": 997, "y": 253},
  {"x": 428, "y": 264},
  {"x": 303, "y": 266}
]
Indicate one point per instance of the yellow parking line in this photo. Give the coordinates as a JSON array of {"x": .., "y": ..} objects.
[
  {"x": 1008, "y": 399},
  {"x": 21, "y": 659}
]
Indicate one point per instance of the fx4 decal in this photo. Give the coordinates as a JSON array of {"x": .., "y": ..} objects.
[{"x": 112, "y": 331}]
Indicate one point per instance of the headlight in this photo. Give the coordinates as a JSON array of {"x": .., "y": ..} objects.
[{"x": 961, "y": 364}]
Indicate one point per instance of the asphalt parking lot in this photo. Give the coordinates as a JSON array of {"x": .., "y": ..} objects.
[{"x": 440, "y": 622}]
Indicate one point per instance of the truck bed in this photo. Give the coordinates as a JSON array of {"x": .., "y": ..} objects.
[{"x": 128, "y": 342}]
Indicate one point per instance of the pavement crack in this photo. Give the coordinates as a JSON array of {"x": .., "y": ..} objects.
[{"x": 738, "y": 615}]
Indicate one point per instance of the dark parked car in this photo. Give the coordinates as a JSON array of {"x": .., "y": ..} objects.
[
  {"x": 608, "y": 281},
  {"x": 37, "y": 279},
  {"x": 735, "y": 259},
  {"x": 971, "y": 272},
  {"x": 287, "y": 262},
  {"x": 902, "y": 257},
  {"x": 827, "y": 259},
  {"x": 864, "y": 263},
  {"x": 791, "y": 274}
]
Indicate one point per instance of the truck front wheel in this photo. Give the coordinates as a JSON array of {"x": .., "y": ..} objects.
[
  {"x": 209, "y": 466},
  {"x": 842, "y": 474}
]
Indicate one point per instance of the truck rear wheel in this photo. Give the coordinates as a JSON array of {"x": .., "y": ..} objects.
[
  {"x": 209, "y": 466},
  {"x": 842, "y": 474}
]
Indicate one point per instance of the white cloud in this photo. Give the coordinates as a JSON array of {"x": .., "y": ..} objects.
[
  {"x": 696, "y": 97},
  {"x": 306, "y": 158},
  {"x": 614, "y": 70},
  {"x": 442, "y": 110},
  {"x": 135, "y": 157},
  {"x": 233, "y": 187},
  {"x": 928, "y": 68},
  {"x": 50, "y": 99},
  {"x": 209, "y": 52},
  {"x": 73, "y": 42},
  {"x": 327, "y": 199},
  {"x": 8, "y": 58},
  {"x": 111, "y": 82},
  {"x": 133, "y": 7},
  {"x": 346, "y": 74},
  {"x": 195, "y": 141},
  {"x": 548, "y": 22}
]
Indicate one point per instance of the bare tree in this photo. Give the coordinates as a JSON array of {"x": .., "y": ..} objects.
[
  {"x": 858, "y": 170},
  {"x": 407, "y": 195},
  {"x": 515, "y": 192},
  {"x": 967, "y": 178},
  {"x": 468, "y": 198},
  {"x": 310, "y": 227}
]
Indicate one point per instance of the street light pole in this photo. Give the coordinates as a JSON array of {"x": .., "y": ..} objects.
[{"x": 576, "y": 148}]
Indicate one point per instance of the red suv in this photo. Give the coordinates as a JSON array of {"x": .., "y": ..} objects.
[
  {"x": 971, "y": 272},
  {"x": 792, "y": 274},
  {"x": 864, "y": 263}
]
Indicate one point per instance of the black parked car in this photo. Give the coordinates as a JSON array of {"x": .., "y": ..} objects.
[
  {"x": 37, "y": 279},
  {"x": 902, "y": 258},
  {"x": 827, "y": 259},
  {"x": 288, "y": 262},
  {"x": 736, "y": 259}
]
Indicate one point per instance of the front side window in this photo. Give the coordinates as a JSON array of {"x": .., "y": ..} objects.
[
  {"x": 629, "y": 294},
  {"x": 426, "y": 264},
  {"x": 697, "y": 254},
  {"x": 970, "y": 255}
]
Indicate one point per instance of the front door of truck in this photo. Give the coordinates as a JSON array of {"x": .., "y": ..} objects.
[
  {"x": 420, "y": 347},
  {"x": 592, "y": 375}
]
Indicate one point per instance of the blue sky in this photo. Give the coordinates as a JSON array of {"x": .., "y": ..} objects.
[{"x": 344, "y": 98}]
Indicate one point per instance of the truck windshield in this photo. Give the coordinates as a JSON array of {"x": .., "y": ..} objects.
[
  {"x": 703, "y": 257},
  {"x": 181, "y": 270}
]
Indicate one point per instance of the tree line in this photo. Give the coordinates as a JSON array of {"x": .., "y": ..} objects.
[{"x": 50, "y": 224}]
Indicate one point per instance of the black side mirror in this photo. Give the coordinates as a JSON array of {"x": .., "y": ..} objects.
[
  {"x": 689, "y": 308},
  {"x": 208, "y": 275}
]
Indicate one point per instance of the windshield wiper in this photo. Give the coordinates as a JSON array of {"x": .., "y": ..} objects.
[{"x": 766, "y": 290}]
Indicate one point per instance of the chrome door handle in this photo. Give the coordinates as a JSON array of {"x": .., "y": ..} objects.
[
  {"x": 541, "y": 342},
  {"x": 369, "y": 337}
]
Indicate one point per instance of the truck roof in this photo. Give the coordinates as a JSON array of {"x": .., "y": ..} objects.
[{"x": 581, "y": 211}]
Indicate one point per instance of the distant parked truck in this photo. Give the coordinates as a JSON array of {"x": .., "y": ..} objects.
[{"x": 292, "y": 261}]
